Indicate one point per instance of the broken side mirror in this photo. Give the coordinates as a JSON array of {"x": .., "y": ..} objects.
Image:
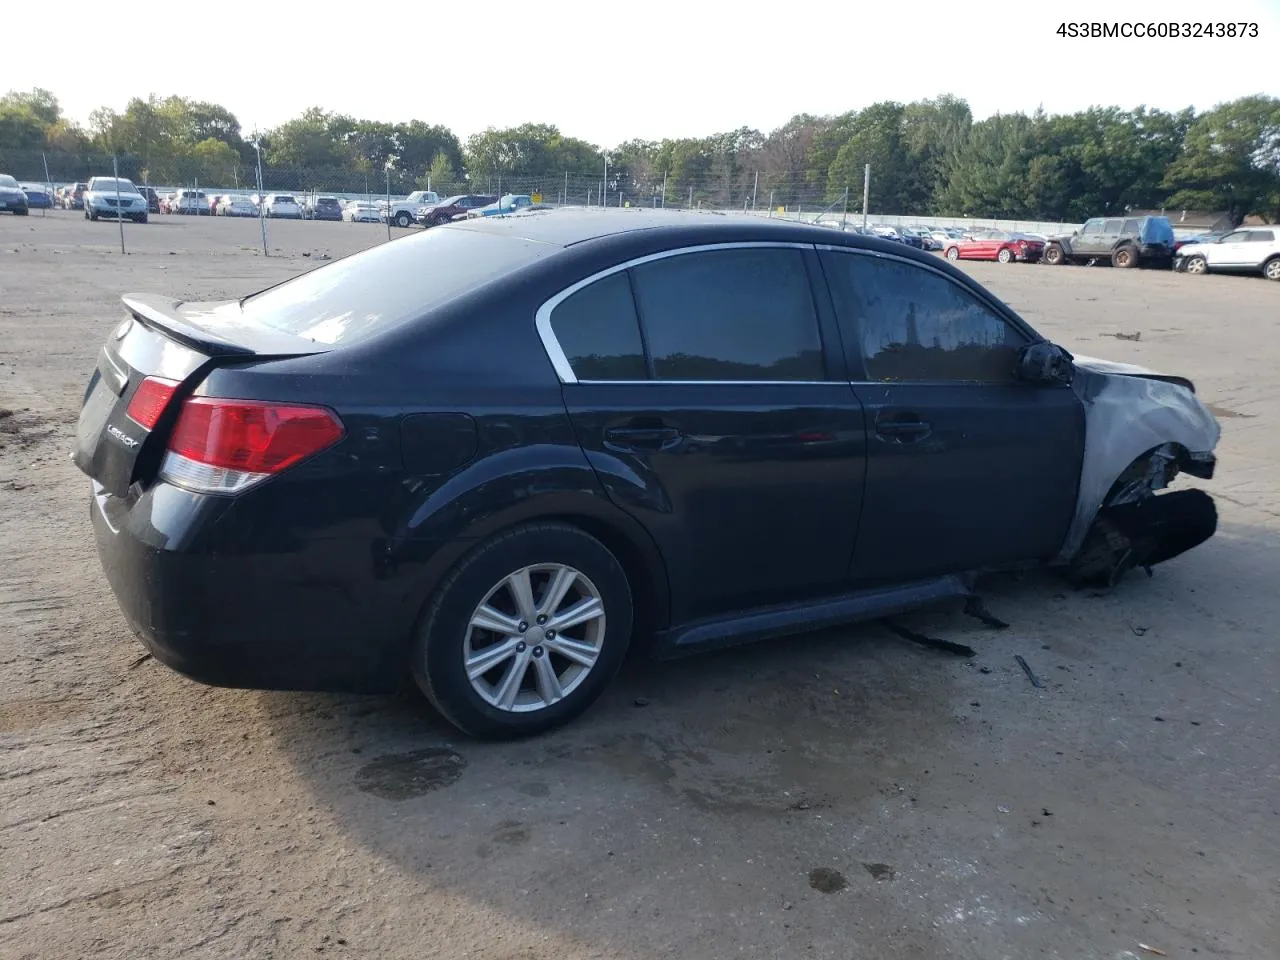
[{"x": 1044, "y": 362}]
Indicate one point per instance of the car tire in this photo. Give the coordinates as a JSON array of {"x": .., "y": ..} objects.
[
  {"x": 953, "y": 254},
  {"x": 403, "y": 219},
  {"x": 91, "y": 214},
  {"x": 21, "y": 213},
  {"x": 1197, "y": 265},
  {"x": 1124, "y": 257},
  {"x": 1005, "y": 255},
  {"x": 141, "y": 219},
  {"x": 1053, "y": 255},
  {"x": 546, "y": 554},
  {"x": 1271, "y": 269}
]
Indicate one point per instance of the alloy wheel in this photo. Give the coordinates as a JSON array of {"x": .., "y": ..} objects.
[
  {"x": 1272, "y": 270},
  {"x": 1196, "y": 265},
  {"x": 534, "y": 638}
]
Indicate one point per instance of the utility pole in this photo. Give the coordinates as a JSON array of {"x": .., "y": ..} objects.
[
  {"x": 388, "y": 199},
  {"x": 866, "y": 191},
  {"x": 262, "y": 210}
]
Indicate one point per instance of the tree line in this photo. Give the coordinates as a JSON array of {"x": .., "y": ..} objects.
[{"x": 927, "y": 157}]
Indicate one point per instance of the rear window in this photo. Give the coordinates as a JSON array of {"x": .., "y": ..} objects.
[
  {"x": 1157, "y": 230},
  {"x": 374, "y": 290}
]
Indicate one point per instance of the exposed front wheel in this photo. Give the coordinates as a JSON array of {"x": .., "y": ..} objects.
[
  {"x": 1005, "y": 255},
  {"x": 1053, "y": 255},
  {"x": 403, "y": 219},
  {"x": 525, "y": 633},
  {"x": 1197, "y": 265},
  {"x": 953, "y": 254}
]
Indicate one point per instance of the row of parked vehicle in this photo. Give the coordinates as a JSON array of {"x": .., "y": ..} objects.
[{"x": 1125, "y": 242}]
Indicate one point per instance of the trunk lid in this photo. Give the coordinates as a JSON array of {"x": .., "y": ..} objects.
[{"x": 177, "y": 344}]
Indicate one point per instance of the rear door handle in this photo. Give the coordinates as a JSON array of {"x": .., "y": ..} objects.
[
  {"x": 651, "y": 438},
  {"x": 903, "y": 430}
]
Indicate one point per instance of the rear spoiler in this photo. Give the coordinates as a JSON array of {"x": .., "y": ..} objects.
[
  {"x": 162, "y": 314},
  {"x": 216, "y": 329}
]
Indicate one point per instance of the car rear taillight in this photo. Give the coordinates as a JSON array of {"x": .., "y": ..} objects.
[
  {"x": 225, "y": 446},
  {"x": 149, "y": 400}
]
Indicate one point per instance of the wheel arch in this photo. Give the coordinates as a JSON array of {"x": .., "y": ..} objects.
[{"x": 1135, "y": 424}]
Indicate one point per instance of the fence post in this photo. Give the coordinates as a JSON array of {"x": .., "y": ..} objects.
[
  {"x": 115, "y": 168},
  {"x": 47, "y": 182},
  {"x": 691, "y": 196},
  {"x": 664, "y": 191},
  {"x": 566, "y": 188},
  {"x": 755, "y": 189}
]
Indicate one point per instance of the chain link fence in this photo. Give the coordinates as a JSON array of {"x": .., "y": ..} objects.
[{"x": 794, "y": 194}]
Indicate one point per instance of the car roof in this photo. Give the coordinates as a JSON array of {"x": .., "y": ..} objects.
[{"x": 568, "y": 227}]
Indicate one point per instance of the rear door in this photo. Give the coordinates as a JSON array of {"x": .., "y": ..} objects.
[
  {"x": 966, "y": 466},
  {"x": 703, "y": 391},
  {"x": 1261, "y": 245}
]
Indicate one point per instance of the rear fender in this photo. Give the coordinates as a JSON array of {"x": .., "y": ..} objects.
[{"x": 521, "y": 485}]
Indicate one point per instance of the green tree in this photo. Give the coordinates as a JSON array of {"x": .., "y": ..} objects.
[
  {"x": 1230, "y": 160},
  {"x": 38, "y": 102},
  {"x": 441, "y": 176},
  {"x": 986, "y": 176}
]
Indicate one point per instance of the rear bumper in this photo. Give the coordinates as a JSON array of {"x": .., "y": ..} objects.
[
  {"x": 15, "y": 204},
  {"x": 310, "y": 614}
]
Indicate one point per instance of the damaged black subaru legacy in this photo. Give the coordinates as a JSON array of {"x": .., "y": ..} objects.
[{"x": 490, "y": 455}]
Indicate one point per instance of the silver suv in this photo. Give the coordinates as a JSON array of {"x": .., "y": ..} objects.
[{"x": 109, "y": 197}]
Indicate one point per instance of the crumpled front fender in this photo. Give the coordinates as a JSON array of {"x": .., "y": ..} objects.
[{"x": 1131, "y": 414}]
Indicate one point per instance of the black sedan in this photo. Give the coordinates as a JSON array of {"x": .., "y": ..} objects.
[{"x": 490, "y": 454}]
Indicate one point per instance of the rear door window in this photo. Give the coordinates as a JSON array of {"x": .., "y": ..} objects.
[
  {"x": 599, "y": 332},
  {"x": 912, "y": 324},
  {"x": 1261, "y": 236},
  {"x": 731, "y": 314}
]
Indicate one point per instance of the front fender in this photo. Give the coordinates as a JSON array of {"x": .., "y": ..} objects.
[{"x": 1126, "y": 418}]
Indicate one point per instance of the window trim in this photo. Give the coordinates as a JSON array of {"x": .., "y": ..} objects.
[
  {"x": 556, "y": 354},
  {"x": 859, "y": 375}
]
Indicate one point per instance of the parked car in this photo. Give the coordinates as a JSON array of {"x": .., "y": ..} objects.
[
  {"x": 39, "y": 196},
  {"x": 404, "y": 212},
  {"x": 211, "y": 203},
  {"x": 114, "y": 197},
  {"x": 509, "y": 203},
  {"x": 1120, "y": 241},
  {"x": 236, "y": 206},
  {"x": 11, "y": 196},
  {"x": 383, "y": 492},
  {"x": 916, "y": 238},
  {"x": 361, "y": 211},
  {"x": 281, "y": 205},
  {"x": 189, "y": 202},
  {"x": 944, "y": 236},
  {"x": 437, "y": 213},
  {"x": 322, "y": 208},
  {"x": 1246, "y": 250},
  {"x": 999, "y": 245},
  {"x": 1178, "y": 244},
  {"x": 152, "y": 198},
  {"x": 72, "y": 196}
]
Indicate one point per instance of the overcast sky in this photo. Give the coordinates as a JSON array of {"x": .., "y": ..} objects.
[{"x": 611, "y": 71}]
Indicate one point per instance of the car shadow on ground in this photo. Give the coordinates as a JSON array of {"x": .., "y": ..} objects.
[{"x": 712, "y": 785}]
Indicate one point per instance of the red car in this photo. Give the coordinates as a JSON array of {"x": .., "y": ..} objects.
[{"x": 996, "y": 245}]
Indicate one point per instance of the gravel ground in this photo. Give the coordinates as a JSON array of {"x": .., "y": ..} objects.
[{"x": 845, "y": 794}]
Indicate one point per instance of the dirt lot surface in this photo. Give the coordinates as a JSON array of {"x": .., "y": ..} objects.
[{"x": 841, "y": 795}]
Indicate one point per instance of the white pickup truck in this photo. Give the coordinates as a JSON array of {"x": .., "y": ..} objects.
[{"x": 403, "y": 212}]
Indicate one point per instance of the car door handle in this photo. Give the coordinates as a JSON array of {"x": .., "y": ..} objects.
[
  {"x": 655, "y": 437},
  {"x": 903, "y": 429}
]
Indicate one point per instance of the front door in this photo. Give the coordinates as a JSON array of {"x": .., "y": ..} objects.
[
  {"x": 1233, "y": 250},
  {"x": 1089, "y": 241},
  {"x": 703, "y": 400},
  {"x": 967, "y": 467}
]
